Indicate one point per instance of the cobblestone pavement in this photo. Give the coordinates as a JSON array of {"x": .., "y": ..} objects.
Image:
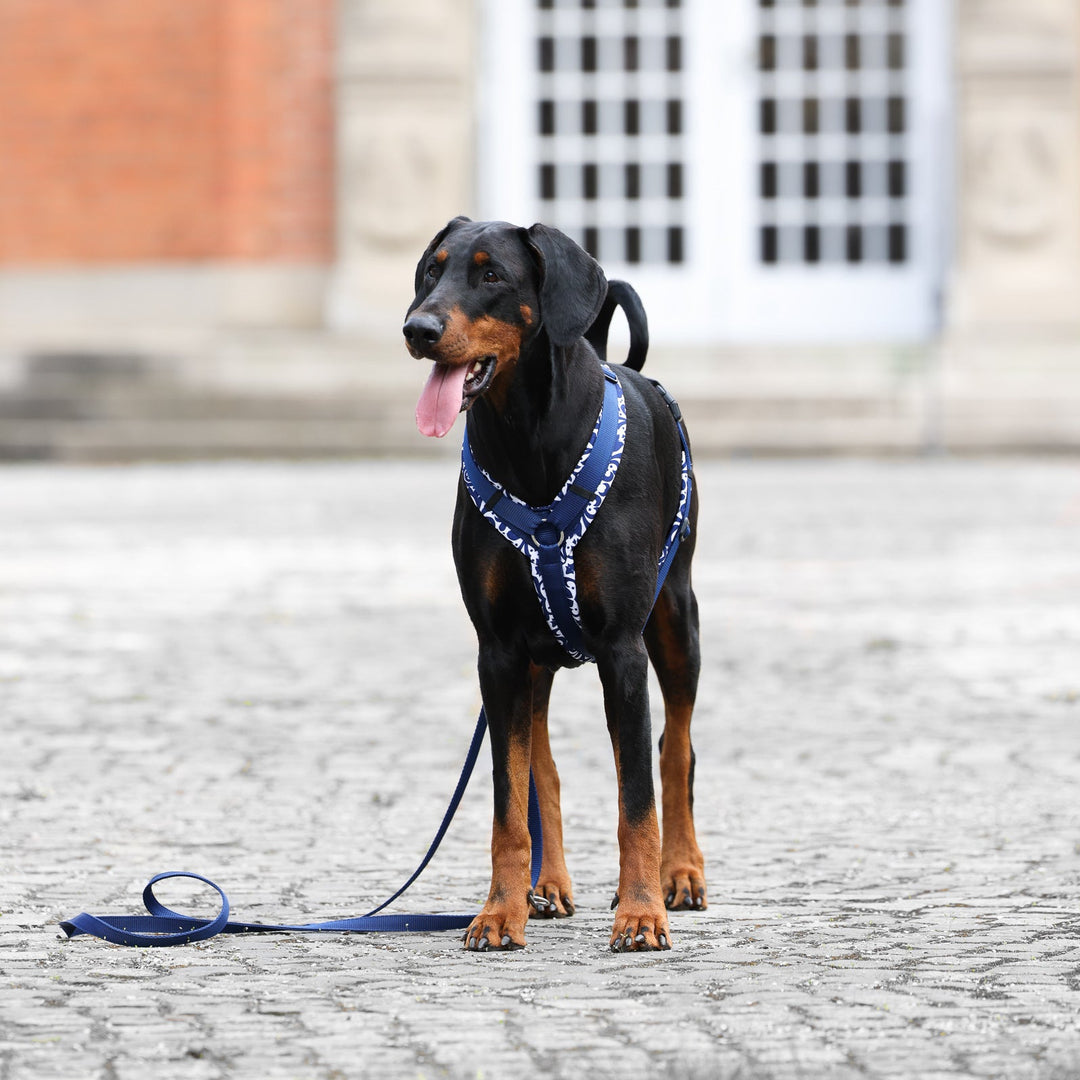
[{"x": 238, "y": 670}]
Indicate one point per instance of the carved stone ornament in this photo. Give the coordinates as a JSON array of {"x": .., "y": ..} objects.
[
  {"x": 1015, "y": 172},
  {"x": 395, "y": 174}
]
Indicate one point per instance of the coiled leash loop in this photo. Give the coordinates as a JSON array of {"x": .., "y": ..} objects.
[{"x": 163, "y": 926}]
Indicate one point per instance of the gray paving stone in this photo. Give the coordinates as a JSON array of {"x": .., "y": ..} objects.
[{"x": 229, "y": 669}]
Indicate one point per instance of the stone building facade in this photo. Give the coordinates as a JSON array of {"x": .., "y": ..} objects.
[{"x": 856, "y": 225}]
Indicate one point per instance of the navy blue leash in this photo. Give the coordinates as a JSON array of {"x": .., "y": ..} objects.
[
  {"x": 164, "y": 926},
  {"x": 546, "y": 529}
]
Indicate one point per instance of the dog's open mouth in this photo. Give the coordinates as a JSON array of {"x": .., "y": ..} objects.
[
  {"x": 450, "y": 389},
  {"x": 481, "y": 372}
]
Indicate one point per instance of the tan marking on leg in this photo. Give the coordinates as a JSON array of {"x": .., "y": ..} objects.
[
  {"x": 501, "y": 923},
  {"x": 682, "y": 863}
]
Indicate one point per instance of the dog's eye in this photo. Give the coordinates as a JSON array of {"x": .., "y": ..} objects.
[
  {"x": 432, "y": 272},
  {"x": 491, "y": 277}
]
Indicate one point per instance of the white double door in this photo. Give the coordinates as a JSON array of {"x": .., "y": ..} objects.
[{"x": 761, "y": 170}]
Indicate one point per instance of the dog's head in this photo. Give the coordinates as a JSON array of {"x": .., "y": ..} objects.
[{"x": 484, "y": 292}]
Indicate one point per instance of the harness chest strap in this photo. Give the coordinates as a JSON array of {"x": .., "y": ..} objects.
[{"x": 548, "y": 535}]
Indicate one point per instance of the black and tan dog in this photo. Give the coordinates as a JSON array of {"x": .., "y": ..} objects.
[{"x": 504, "y": 313}]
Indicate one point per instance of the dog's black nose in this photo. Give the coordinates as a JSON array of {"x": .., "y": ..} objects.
[{"x": 423, "y": 331}]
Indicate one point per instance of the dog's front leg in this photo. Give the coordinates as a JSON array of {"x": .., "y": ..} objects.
[
  {"x": 640, "y": 917},
  {"x": 506, "y": 687}
]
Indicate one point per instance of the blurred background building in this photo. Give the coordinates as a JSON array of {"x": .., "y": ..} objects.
[{"x": 855, "y": 223}]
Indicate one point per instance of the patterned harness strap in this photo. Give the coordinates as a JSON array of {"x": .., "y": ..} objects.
[{"x": 548, "y": 535}]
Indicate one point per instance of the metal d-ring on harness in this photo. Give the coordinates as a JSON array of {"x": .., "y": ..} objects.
[{"x": 548, "y": 535}]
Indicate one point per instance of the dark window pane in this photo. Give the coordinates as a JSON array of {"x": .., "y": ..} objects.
[
  {"x": 810, "y": 53},
  {"x": 811, "y": 180},
  {"x": 674, "y": 116},
  {"x": 675, "y": 244},
  {"x": 674, "y": 180},
  {"x": 588, "y": 117},
  {"x": 895, "y": 52},
  {"x": 632, "y": 175},
  {"x": 674, "y": 54},
  {"x": 588, "y": 181},
  {"x": 812, "y": 244},
  {"x": 854, "y": 244},
  {"x": 633, "y": 244},
  {"x": 897, "y": 179},
  {"x": 810, "y": 116},
  {"x": 588, "y": 54},
  {"x": 631, "y": 117},
  {"x": 546, "y": 54},
  {"x": 768, "y": 180},
  {"x": 768, "y": 116},
  {"x": 852, "y": 116},
  {"x": 547, "y": 117},
  {"x": 897, "y": 243},
  {"x": 896, "y": 115},
  {"x": 853, "y": 180},
  {"x": 852, "y": 52},
  {"x": 766, "y": 52},
  {"x": 769, "y": 244},
  {"x": 590, "y": 241},
  {"x": 630, "y": 53},
  {"x": 547, "y": 181}
]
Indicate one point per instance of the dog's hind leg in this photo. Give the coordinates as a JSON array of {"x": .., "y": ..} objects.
[
  {"x": 671, "y": 637},
  {"x": 554, "y": 882},
  {"x": 640, "y": 918}
]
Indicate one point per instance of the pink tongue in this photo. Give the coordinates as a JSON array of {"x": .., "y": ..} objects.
[{"x": 440, "y": 400}]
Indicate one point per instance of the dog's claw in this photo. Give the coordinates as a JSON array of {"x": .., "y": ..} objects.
[{"x": 614, "y": 901}]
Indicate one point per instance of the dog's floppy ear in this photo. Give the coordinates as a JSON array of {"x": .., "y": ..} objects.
[
  {"x": 572, "y": 285},
  {"x": 436, "y": 240}
]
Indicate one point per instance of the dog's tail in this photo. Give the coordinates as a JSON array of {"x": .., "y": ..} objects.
[{"x": 621, "y": 293}]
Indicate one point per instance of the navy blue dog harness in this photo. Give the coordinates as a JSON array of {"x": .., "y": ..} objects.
[{"x": 548, "y": 535}]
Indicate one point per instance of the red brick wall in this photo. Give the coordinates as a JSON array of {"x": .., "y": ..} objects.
[{"x": 135, "y": 130}]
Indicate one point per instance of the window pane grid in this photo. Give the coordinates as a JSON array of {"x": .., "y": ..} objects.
[
  {"x": 611, "y": 117},
  {"x": 832, "y": 115}
]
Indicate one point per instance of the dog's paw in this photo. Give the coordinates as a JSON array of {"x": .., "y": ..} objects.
[
  {"x": 683, "y": 886},
  {"x": 551, "y": 899},
  {"x": 495, "y": 930},
  {"x": 638, "y": 930}
]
